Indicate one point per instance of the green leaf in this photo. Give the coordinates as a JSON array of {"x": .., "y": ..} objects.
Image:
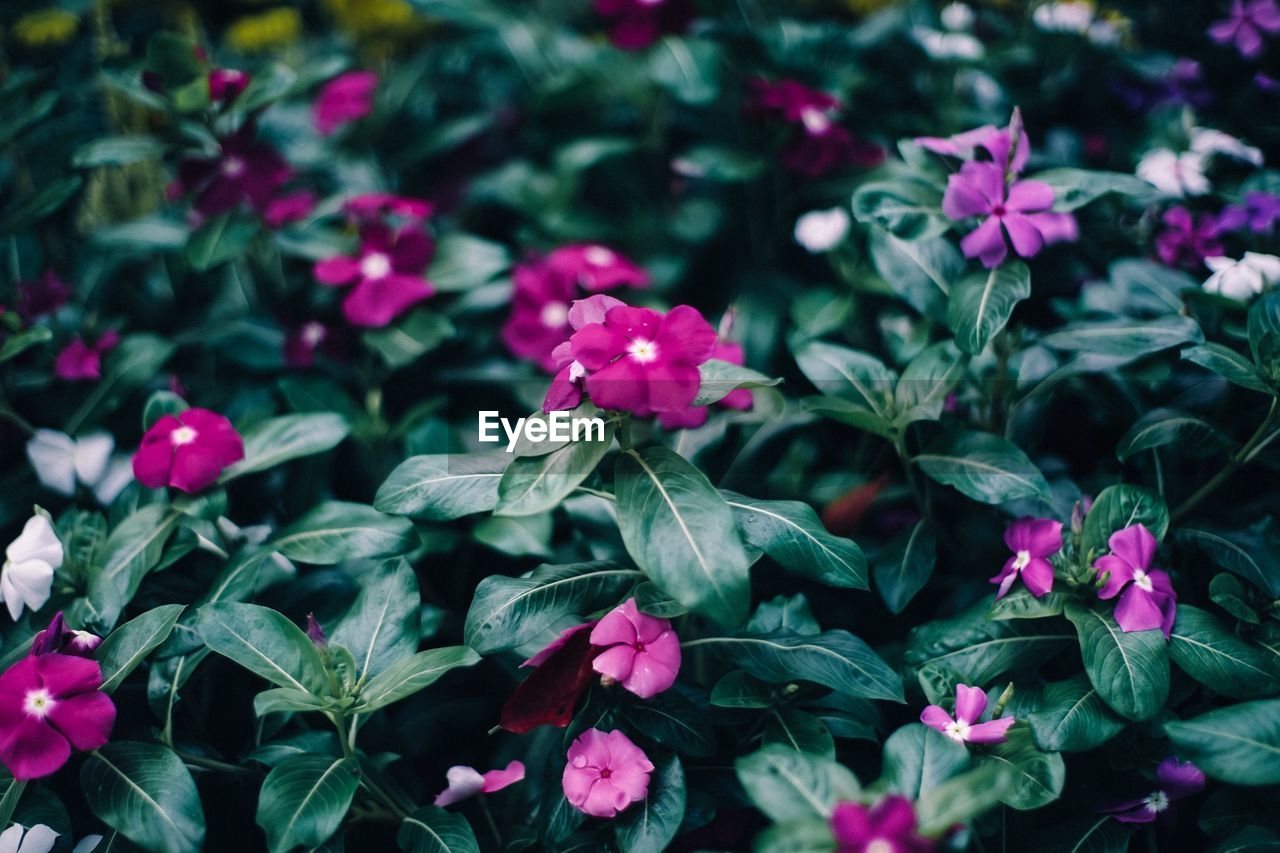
[
  {"x": 922, "y": 271},
  {"x": 534, "y": 484},
  {"x": 1228, "y": 364},
  {"x": 280, "y": 700},
  {"x": 1074, "y": 188},
  {"x": 136, "y": 361},
  {"x": 791, "y": 533},
  {"x": 984, "y": 467},
  {"x": 799, "y": 730},
  {"x": 434, "y": 830},
  {"x": 465, "y": 262},
  {"x": 980, "y": 649},
  {"x": 1204, "y": 649},
  {"x": 720, "y": 378},
  {"x": 126, "y": 646},
  {"x": 834, "y": 659},
  {"x": 981, "y": 304},
  {"x": 675, "y": 721},
  {"x": 146, "y": 793},
  {"x": 788, "y": 785},
  {"x": 1161, "y": 427},
  {"x": 1118, "y": 507},
  {"x": 739, "y": 690},
  {"x": 1130, "y": 670},
  {"x": 918, "y": 759},
  {"x": 264, "y": 642},
  {"x": 159, "y": 404},
  {"x": 116, "y": 151},
  {"x": 688, "y": 69},
  {"x": 849, "y": 375},
  {"x": 1072, "y": 717},
  {"x": 132, "y": 550},
  {"x": 1087, "y": 834},
  {"x": 221, "y": 239},
  {"x": 1036, "y": 777},
  {"x": 384, "y": 623},
  {"x": 797, "y": 836},
  {"x": 909, "y": 209},
  {"x": 408, "y": 675},
  {"x": 921, "y": 393},
  {"x": 304, "y": 798},
  {"x": 278, "y": 440},
  {"x": 650, "y": 825},
  {"x": 1127, "y": 338},
  {"x": 904, "y": 566},
  {"x": 45, "y": 202},
  {"x": 1264, "y": 334},
  {"x": 335, "y": 531},
  {"x": 509, "y": 612},
  {"x": 1239, "y": 744},
  {"x": 443, "y": 487},
  {"x": 404, "y": 342},
  {"x": 20, "y": 342},
  {"x": 1021, "y": 604},
  {"x": 711, "y": 162},
  {"x": 682, "y": 534},
  {"x": 1253, "y": 553}
]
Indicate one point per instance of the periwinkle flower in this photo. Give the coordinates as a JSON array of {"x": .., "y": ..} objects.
[
  {"x": 245, "y": 170},
  {"x": 1175, "y": 780},
  {"x": 59, "y": 639},
  {"x": 1020, "y": 211},
  {"x": 1247, "y": 26},
  {"x": 344, "y": 99},
  {"x": 29, "y": 563},
  {"x": 49, "y": 704},
  {"x": 641, "y": 652},
  {"x": 1147, "y": 599},
  {"x": 386, "y": 275},
  {"x": 82, "y": 361},
  {"x": 605, "y": 773},
  {"x": 636, "y": 24},
  {"x": 1244, "y": 278},
  {"x": 1188, "y": 239},
  {"x": 188, "y": 451},
  {"x": 466, "y": 782},
  {"x": 887, "y": 827},
  {"x": 966, "y": 725},
  {"x": 1032, "y": 541}
]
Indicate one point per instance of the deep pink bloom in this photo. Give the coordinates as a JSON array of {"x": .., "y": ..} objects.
[
  {"x": 226, "y": 84},
  {"x": 288, "y": 208},
  {"x": 692, "y": 417},
  {"x": 41, "y": 296},
  {"x": 595, "y": 267},
  {"x": 346, "y": 98},
  {"x": 387, "y": 273},
  {"x": 59, "y": 639},
  {"x": 80, "y": 360},
  {"x": 187, "y": 451},
  {"x": 303, "y": 343},
  {"x": 1260, "y": 211},
  {"x": 1032, "y": 541},
  {"x": 566, "y": 388},
  {"x": 1187, "y": 240},
  {"x": 1175, "y": 780},
  {"x": 50, "y": 703},
  {"x": 1247, "y": 25},
  {"x": 789, "y": 100},
  {"x": 993, "y": 141},
  {"x": 887, "y": 827},
  {"x": 605, "y": 773},
  {"x": 964, "y": 727},
  {"x": 641, "y": 652},
  {"x": 465, "y": 782},
  {"x": 636, "y": 24},
  {"x": 244, "y": 170},
  {"x": 1022, "y": 211},
  {"x": 1147, "y": 599},
  {"x": 818, "y": 144},
  {"x": 378, "y": 206}
]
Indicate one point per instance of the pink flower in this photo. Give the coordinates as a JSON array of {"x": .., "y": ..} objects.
[
  {"x": 78, "y": 360},
  {"x": 50, "y": 703},
  {"x": 641, "y": 652},
  {"x": 302, "y": 344},
  {"x": 566, "y": 388},
  {"x": 965, "y": 728},
  {"x": 595, "y": 267},
  {"x": 1175, "y": 779},
  {"x": 789, "y": 100},
  {"x": 818, "y": 144},
  {"x": 1246, "y": 26},
  {"x": 636, "y": 24},
  {"x": 693, "y": 417},
  {"x": 244, "y": 170},
  {"x": 377, "y": 206},
  {"x": 465, "y": 782},
  {"x": 1187, "y": 240},
  {"x": 605, "y": 773},
  {"x": 346, "y": 98},
  {"x": 41, "y": 296},
  {"x": 989, "y": 139},
  {"x": 1148, "y": 600},
  {"x": 1021, "y": 212},
  {"x": 1032, "y": 541},
  {"x": 59, "y": 639},
  {"x": 288, "y": 208},
  {"x": 226, "y": 84},
  {"x": 887, "y": 827},
  {"x": 387, "y": 273},
  {"x": 187, "y": 451}
]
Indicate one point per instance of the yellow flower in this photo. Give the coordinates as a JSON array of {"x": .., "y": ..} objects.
[
  {"x": 46, "y": 28},
  {"x": 362, "y": 18},
  {"x": 265, "y": 31}
]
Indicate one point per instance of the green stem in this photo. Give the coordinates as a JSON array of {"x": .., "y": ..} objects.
[
  {"x": 587, "y": 490},
  {"x": 212, "y": 763},
  {"x": 488, "y": 817},
  {"x": 16, "y": 419},
  {"x": 1255, "y": 445}
]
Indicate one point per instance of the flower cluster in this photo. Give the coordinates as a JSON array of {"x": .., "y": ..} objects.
[{"x": 817, "y": 144}]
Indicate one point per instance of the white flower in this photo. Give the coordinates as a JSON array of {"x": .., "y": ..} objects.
[
  {"x": 30, "y": 561},
  {"x": 18, "y": 839},
  {"x": 1103, "y": 33},
  {"x": 1243, "y": 278},
  {"x": 60, "y": 461},
  {"x": 822, "y": 230},
  {"x": 957, "y": 16},
  {"x": 1174, "y": 174},
  {"x": 1064, "y": 17},
  {"x": 940, "y": 45},
  {"x": 1207, "y": 141}
]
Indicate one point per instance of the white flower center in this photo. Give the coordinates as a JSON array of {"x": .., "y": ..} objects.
[
  {"x": 1021, "y": 560},
  {"x": 1158, "y": 802},
  {"x": 232, "y": 167},
  {"x": 554, "y": 315},
  {"x": 182, "y": 435},
  {"x": 1142, "y": 580},
  {"x": 375, "y": 265},
  {"x": 643, "y": 351},
  {"x": 576, "y": 371},
  {"x": 879, "y": 845},
  {"x": 599, "y": 256},
  {"x": 815, "y": 120},
  {"x": 38, "y": 703},
  {"x": 313, "y": 333},
  {"x": 957, "y": 730}
]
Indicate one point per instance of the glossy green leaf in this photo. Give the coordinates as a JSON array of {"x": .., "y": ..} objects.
[
  {"x": 278, "y": 440},
  {"x": 443, "y": 487},
  {"x": 984, "y": 467},
  {"x": 304, "y": 798},
  {"x": 981, "y": 304},
  {"x": 1239, "y": 744},
  {"x": 791, "y": 533},
  {"x": 264, "y": 642},
  {"x": 1203, "y": 648},
  {"x": 335, "y": 531},
  {"x": 126, "y": 646},
  {"x": 146, "y": 793},
  {"x": 918, "y": 759},
  {"x": 1130, "y": 670},
  {"x": 1072, "y": 717},
  {"x": 788, "y": 785},
  {"x": 904, "y": 566}
]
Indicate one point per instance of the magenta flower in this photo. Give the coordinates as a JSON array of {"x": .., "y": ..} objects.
[
  {"x": 50, "y": 703},
  {"x": 1175, "y": 779},
  {"x": 82, "y": 361},
  {"x": 594, "y": 267},
  {"x": 789, "y": 100},
  {"x": 226, "y": 84},
  {"x": 539, "y": 320},
  {"x": 605, "y": 773},
  {"x": 994, "y": 141},
  {"x": 288, "y": 208},
  {"x": 378, "y": 206},
  {"x": 566, "y": 388},
  {"x": 187, "y": 451},
  {"x": 1021, "y": 211},
  {"x": 887, "y": 827},
  {"x": 344, "y": 99},
  {"x": 964, "y": 727},
  {"x": 636, "y": 24},
  {"x": 818, "y": 144},
  {"x": 692, "y": 417},
  {"x": 244, "y": 170},
  {"x": 465, "y": 782},
  {"x": 59, "y": 639},
  {"x": 1148, "y": 600},
  {"x": 641, "y": 652},
  {"x": 1032, "y": 541},
  {"x": 41, "y": 296},
  {"x": 387, "y": 273},
  {"x": 1246, "y": 26},
  {"x": 1187, "y": 240},
  {"x": 302, "y": 344}
]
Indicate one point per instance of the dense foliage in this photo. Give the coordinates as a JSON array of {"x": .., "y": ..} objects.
[{"x": 934, "y": 358}]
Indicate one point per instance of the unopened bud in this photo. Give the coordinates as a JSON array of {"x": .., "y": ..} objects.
[{"x": 315, "y": 633}]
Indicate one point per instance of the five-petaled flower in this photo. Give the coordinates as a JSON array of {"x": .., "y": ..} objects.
[
  {"x": 1032, "y": 541},
  {"x": 1020, "y": 210},
  {"x": 344, "y": 99},
  {"x": 50, "y": 703},
  {"x": 29, "y": 564},
  {"x": 1175, "y": 780},
  {"x": 641, "y": 652},
  {"x": 465, "y": 782},
  {"x": 80, "y": 360},
  {"x": 818, "y": 143},
  {"x": 1188, "y": 239},
  {"x": 1147, "y": 599},
  {"x": 386, "y": 275},
  {"x": 244, "y": 170},
  {"x": 605, "y": 773},
  {"x": 187, "y": 451},
  {"x": 887, "y": 827},
  {"x": 1247, "y": 25},
  {"x": 965, "y": 727}
]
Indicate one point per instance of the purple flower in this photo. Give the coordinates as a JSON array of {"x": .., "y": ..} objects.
[
  {"x": 605, "y": 773},
  {"x": 1021, "y": 211},
  {"x": 244, "y": 170},
  {"x": 1175, "y": 779},
  {"x": 994, "y": 141},
  {"x": 1246, "y": 25},
  {"x": 1147, "y": 599},
  {"x": 59, "y": 639},
  {"x": 80, "y": 360},
  {"x": 1187, "y": 240},
  {"x": 964, "y": 727},
  {"x": 887, "y": 827},
  {"x": 50, "y": 704},
  {"x": 226, "y": 84},
  {"x": 818, "y": 144},
  {"x": 693, "y": 417},
  {"x": 386, "y": 274},
  {"x": 636, "y": 24},
  {"x": 344, "y": 99},
  {"x": 41, "y": 296},
  {"x": 288, "y": 208},
  {"x": 302, "y": 344},
  {"x": 1032, "y": 541},
  {"x": 1260, "y": 211}
]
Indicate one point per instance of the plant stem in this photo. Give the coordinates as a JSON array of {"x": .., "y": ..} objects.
[
  {"x": 211, "y": 763},
  {"x": 1255, "y": 445},
  {"x": 16, "y": 419}
]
